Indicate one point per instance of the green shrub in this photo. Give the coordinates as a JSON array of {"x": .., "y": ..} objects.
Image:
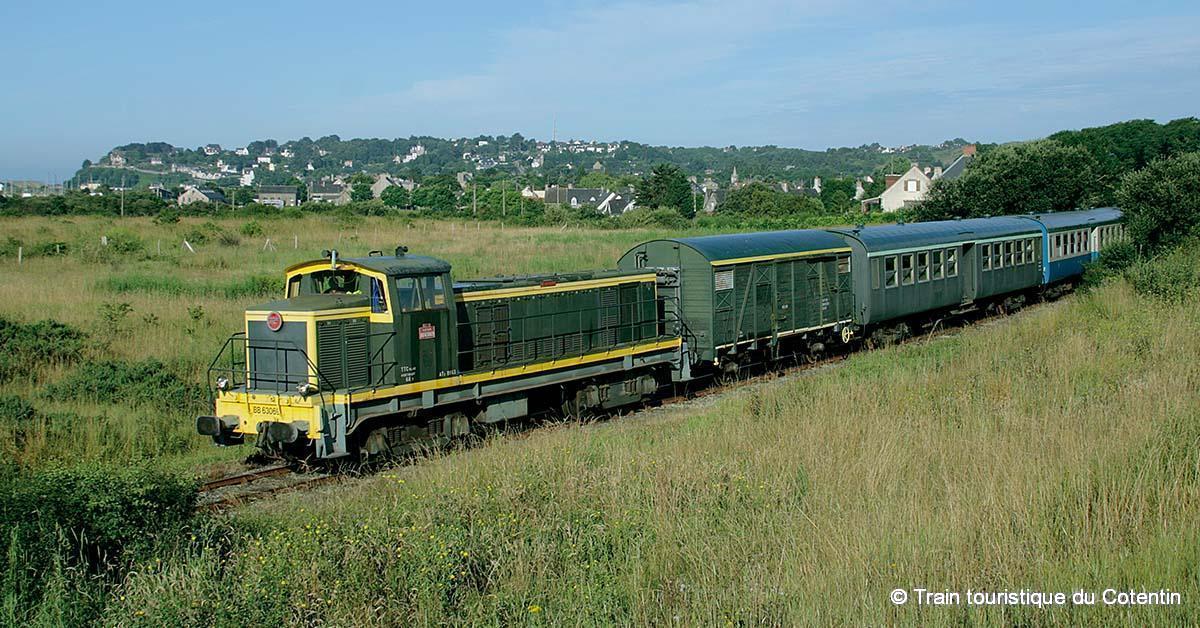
[
  {"x": 167, "y": 216},
  {"x": 1113, "y": 262},
  {"x": 228, "y": 238},
  {"x": 15, "y": 411},
  {"x": 1173, "y": 276},
  {"x": 251, "y": 229},
  {"x": 195, "y": 237},
  {"x": 148, "y": 382},
  {"x": 109, "y": 247},
  {"x": 69, "y": 531},
  {"x": 125, "y": 242},
  {"x": 1162, "y": 201},
  {"x": 9, "y": 246},
  {"x": 29, "y": 345}
]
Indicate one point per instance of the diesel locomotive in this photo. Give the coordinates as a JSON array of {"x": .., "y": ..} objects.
[{"x": 387, "y": 353}]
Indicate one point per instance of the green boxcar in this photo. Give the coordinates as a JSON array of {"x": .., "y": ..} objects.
[{"x": 742, "y": 292}]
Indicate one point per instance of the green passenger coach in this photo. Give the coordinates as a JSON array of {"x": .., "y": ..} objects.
[
  {"x": 907, "y": 269},
  {"x": 749, "y": 292}
]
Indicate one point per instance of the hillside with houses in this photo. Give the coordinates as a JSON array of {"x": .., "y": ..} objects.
[{"x": 570, "y": 172}]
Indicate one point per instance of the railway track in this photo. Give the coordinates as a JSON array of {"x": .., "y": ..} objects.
[{"x": 254, "y": 484}]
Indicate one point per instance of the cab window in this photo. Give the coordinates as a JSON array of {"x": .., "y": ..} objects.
[
  {"x": 378, "y": 297},
  {"x": 433, "y": 292},
  {"x": 327, "y": 282},
  {"x": 336, "y": 282},
  {"x": 407, "y": 296}
]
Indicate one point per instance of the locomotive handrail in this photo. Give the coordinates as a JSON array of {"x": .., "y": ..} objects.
[{"x": 240, "y": 373}]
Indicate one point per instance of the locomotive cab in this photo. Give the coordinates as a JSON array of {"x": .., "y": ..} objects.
[{"x": 345, "y": 327}]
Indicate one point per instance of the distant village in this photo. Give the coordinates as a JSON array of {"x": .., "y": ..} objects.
[{"x": 208, "y": 172}]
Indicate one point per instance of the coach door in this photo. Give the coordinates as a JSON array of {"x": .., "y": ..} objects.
[
  {"x": 424, "y": 329},
  {"x": 968, "y": 271}
]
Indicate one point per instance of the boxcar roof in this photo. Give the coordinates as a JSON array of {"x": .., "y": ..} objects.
[
  {"x": 736, "y": 246},
  {"x": 916, "y": 235},
  {"x": 1067, "y": 220}
]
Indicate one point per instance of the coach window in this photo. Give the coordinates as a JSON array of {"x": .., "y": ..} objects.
[
  {"x": 935, "y": 262},
  {"x": 844, "y": 265},
  {"x": 1008, "y": 253},
  {"x": 875, "y": 264},
  {"x": 951, "y": 262},
  {"x": 1019, "y": 252},
  {"x": 1029, "y": 255},
  {"x": 997, "y": 256},
  {"x": 906, "y": 269},
  {"x": 923, "y": 266},
  {"x": 889, "y": 272},
  {"x": 986, "y": 255}
]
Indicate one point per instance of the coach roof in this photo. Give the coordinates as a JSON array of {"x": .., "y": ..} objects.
[
  {"x": 916, "y": 235},
  {"x": 1082, "y": 218},
  {"x": 743, "y": 246}
]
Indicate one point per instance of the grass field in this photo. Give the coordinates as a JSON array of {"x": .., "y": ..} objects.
[{"x": 1055, "y": 450}]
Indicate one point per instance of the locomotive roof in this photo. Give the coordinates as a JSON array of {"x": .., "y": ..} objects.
[
  {"x": 741, "y": 245},
  {"x": 1066, "y": 220},
  {"x": 915, "y": 235}
]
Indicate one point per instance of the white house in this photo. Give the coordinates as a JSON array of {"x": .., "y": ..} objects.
[{"x": 902, "y": 189}]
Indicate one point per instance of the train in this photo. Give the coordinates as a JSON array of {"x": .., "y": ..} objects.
[{"x": 390, "y": 353}]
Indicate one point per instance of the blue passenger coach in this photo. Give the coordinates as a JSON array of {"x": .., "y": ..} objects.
[{"x": 1071, "y": 239}]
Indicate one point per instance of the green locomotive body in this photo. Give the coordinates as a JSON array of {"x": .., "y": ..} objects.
[{"x": 385, "y": 353}]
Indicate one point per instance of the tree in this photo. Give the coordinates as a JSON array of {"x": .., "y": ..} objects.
[
  {"x": 437, "y": 192},
  {"x": 396, "y": 196},
  {"x": 242, "y": 196},
  {"x": 361, "y": 192},
  {"x": 1031, "y": 178},
  {"x": 1162, "y": 201},
  {"x": 837, "y": 194},
  {"x": 761, "y": 201},
  {"x": 665, "y": 187}
]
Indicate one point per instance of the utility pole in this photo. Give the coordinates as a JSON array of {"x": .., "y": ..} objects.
[
  {"x": 474, "y": 206},
  {"x": 122, "y": 195},
  {"x": 503, "y": 201}
]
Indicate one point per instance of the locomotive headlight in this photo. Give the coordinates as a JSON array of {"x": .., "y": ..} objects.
[
  {"x": 305, "y": 389},
  {"x": 222, "y": 383}
]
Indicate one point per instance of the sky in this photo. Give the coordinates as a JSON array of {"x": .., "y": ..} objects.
[{"x": 79, "y": 78}]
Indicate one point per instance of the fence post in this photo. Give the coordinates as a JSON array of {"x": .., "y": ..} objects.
[
  {"x": 20, "y": 255},
  {"x": 295, "y": 241}
]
